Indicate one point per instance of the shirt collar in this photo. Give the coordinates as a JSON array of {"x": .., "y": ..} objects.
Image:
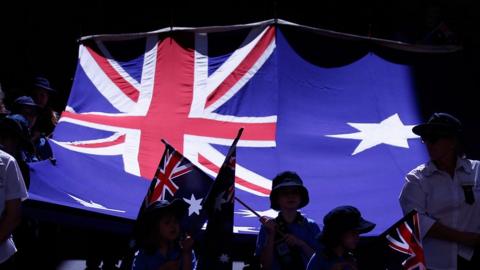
[{"x": 462, "y": 163}]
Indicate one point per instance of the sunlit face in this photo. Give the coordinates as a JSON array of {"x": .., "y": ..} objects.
[
  {"x": 289, "y": 198},
  {"x": 168, "y": 228},
  {"x": 350, "y": 240},
  {"x": 440, "y": 147}
]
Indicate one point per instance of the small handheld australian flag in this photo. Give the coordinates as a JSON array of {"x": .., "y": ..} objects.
[
  {"x": 405, "y": 250},
  {"x": 220, "y": 204},
  {"x": 178, "y": 178}
]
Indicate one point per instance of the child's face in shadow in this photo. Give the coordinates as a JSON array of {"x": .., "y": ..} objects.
[
  {"x": 350, "y": 240},
  {"x": 168, "y": 228},
  {"x": 289, "y": 198}
]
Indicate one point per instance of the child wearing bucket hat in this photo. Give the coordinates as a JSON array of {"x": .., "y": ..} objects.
[
  {"x": 47, "y": 119},
  {"x": 340, "y": 236},
  {"x": 445, "y": 191},
  {"x": 158, "y": 236},
  {"x": 287, "y": 242}
]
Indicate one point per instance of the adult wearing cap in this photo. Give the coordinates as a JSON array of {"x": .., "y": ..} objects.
[
  {"x": 288, "y": 241},
  {"x": 158, "y": 236},
  {"x": 341, "y": 234},
  {"x": 446, "y": 193}
]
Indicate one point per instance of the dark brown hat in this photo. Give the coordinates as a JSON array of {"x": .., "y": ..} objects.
[{"x": 439, "y": 124}]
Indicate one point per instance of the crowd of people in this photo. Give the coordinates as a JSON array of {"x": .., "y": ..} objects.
[
  {"x": 25, "y": 125},
  {"x": 443, "y": 191}
]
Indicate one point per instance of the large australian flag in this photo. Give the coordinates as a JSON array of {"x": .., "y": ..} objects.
[{"x": 338, "y": 115}]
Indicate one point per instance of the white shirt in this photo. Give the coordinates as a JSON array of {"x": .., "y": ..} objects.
[
  {"x": 12, "y": 187},
  {"x": 438, "y": 197}
]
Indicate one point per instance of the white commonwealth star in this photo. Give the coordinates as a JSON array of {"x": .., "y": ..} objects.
[
  {"x": 390, "y": 131},
  {"x": 195, "y": 205},
  {"x": 224, "y": 258}
]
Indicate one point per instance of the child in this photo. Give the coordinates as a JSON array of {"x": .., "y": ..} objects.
[
  {"x": 288, "y": 241},
  {"x": 159, "y": 239},
  {"x": 341, "y": 234}
]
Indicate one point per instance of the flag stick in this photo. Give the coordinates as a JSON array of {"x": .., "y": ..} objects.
[
  {"x": 256, "y": 214},
  {"x": 248, "y": 207}
]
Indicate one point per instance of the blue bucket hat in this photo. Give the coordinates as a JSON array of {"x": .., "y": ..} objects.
[
  {"x": 43, "y": 83},
  {"x": 26, "y": 101},
  {"x": 287, "y": 180}
]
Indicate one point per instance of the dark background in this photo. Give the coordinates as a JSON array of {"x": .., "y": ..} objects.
[{"x": 40, "y": 37}]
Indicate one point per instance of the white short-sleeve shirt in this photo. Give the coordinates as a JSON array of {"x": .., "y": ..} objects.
[
  {"x": 439, "y": 197},
  {"x": 12, "y": 187}
]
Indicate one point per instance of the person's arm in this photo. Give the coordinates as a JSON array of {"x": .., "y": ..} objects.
[
  {"x": 292, "y": 240},
  {"x": 413, "y": 197},
  {"x": 440, "y": 231},
  {"x": 266, "y": 256},
  {"x": 10, "y": 219},
  {"x": 186, "y": 253},
  {"x": 15, "y": 192}
]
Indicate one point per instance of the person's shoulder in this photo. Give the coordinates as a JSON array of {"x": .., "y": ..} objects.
[
  {"x": 310, "y": 222},
  {"x": 5, "y": 157},
  {"x": 311, "y": 225},
  {"x": 471, "y": 165},
  {"x": 473, "y": 162},
  {"x": 320, "y": 260},
  {"x": 419, "y": 172}
]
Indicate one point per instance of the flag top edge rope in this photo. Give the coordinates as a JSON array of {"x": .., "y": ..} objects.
[{"x": 394, "y": 44}]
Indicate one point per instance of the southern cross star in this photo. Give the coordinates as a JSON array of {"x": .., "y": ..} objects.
[{"x": 390, "y": 131}]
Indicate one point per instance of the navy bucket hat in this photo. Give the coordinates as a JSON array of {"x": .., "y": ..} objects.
[
  {"x": 346, "y": 218},
  {"x": 25, "y": 101},
  {"x": 177, "y": 207},
  {"x": 287, "y": 180},
  {"x": 43, "y": 83}
]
